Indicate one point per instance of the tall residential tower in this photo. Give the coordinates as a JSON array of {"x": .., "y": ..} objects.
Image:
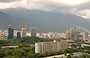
[
  {"x": 33, "y": 31},
  {"x": 23, "y": 30},
  {"x": 10, "y": 32}
]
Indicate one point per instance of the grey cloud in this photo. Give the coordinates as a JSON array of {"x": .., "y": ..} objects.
[
  {"x": 84, "y": 6},
  {"x": 8, "y": 0},
  {"x": 81, "y": 6},
  {"x": 50, "y": 5}
]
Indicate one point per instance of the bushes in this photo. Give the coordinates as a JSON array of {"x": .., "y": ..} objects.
[{"x": 24, "y": 50}]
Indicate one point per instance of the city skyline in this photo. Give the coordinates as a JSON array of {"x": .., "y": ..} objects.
[
  {"x": 44, "y": 29},
  {"x": 71, "y": 34}
]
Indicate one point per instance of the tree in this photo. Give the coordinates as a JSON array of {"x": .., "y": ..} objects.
[
  {"x": 9, "y": 56},
  {"x": 74, "y": 46},
  {"x": 84, "y": 56},
  {"x": 88, "y": 56},
  {"x": 75, "y": 57},
  {"x": 68, "y": 56}
]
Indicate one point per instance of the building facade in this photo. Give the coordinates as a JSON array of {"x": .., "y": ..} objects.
[
  {"x": 33, "y": 31},
  {"x": 18, "y": 35},
  {"x": 48, "y": 47},
  {"x": 23, "y": 30},
  {"x": 10, "y": 32}
]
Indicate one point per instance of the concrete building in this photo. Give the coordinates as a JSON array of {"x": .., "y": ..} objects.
[
  {"x": 10, "y": 32},
  {"x": 48, "y": 47},
  {"x": 85, "y": 45},
  {"x": 33, "y": 31},
  {"x": 68, "y": 34},
  {"x": 10, "y": 47},
  {"x": 23, "y": 30},
  {"x": 18, "y": 35},
  {"x": 51, "y": 35},
  {"x": 74, "y": 33},
  {"x": 86, "y": 36}
]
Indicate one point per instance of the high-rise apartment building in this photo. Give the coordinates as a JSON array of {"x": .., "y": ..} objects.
[
  {"x": 33, "y": 31},
  {"x": 23, "y": 30},
  {"x": 48, "y": 47},
  {"x": 10, "y": 32},
  {"x": 18, "y": 35},
  {"x": 74, "y": 33},
  {"x": 68, "y": 35}
]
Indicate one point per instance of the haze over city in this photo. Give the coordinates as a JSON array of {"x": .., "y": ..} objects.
[
  {"x": 44, "y": 29},
  {"x": 42, "y": 14}
]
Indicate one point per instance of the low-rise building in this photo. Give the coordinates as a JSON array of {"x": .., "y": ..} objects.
[
  {"x": 10, "y": 47},
  {"x": 85, "y": 45}
]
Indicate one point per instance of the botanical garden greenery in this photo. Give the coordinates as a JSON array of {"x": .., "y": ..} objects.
[{"x": 26, "y": 48}]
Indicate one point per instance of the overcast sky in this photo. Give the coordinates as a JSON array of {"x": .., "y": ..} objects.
[{"x": 77, "y": 7}]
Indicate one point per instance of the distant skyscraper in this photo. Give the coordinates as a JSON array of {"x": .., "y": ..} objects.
[
  {"x": 33, "y": 31},
  {"x": 75, "y": 33},
  {"x": 77, "y": 29},
  {"x": 86, "y": 36},
  {"x": 23, "y": 30},
  {"x": 10, "y": 32},
  {"x": 18, "y": 35},
  {"x": 71, "y": 33},
  {"x": 68, "y": 34}
]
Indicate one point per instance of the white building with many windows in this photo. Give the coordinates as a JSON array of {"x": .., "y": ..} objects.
[{"x": 48, "y": 47}]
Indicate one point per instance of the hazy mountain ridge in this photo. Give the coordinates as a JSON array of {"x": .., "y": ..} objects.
[
  {"x": 47, "y": 21},
  {"x": 6, "y": 19}
]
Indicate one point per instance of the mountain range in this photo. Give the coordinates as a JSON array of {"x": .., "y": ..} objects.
[{"x": 42, "y": 20}]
